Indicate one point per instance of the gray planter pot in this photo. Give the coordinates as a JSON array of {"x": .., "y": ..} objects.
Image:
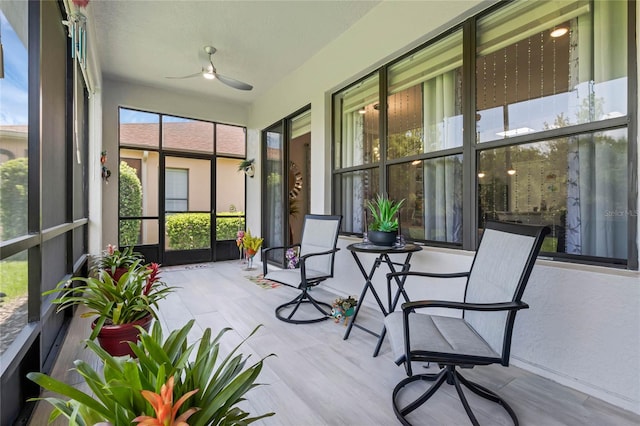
[{"x": 381, "y": 238}]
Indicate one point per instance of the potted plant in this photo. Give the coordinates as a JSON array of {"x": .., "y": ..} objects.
[
  {"x": 119, "y": 305},
  {"x": 247, "y": 167},
  {"x": 115, "y": 261},
  {"x": 206, "y": 387},
  {"x": 251, "y": 246},
  {"x": 343, "y": 308},
  {"x": 384, "y": 227}
]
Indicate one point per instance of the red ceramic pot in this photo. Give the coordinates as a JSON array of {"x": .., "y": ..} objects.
[{"x": 114, "y": 338}]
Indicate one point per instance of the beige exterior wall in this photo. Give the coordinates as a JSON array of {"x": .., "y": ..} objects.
[
  {"x": 229, "y": 186},
  {"x": 13, "y": 144}
]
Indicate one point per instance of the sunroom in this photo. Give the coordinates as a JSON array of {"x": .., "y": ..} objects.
[{"x": 470, "y": 111}]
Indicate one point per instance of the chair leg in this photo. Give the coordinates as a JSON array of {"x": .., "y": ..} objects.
[
  {"x": 438, "y": 380},
  {"x": 453, "y": 377},
  {"x": 488, "y": 394},
  {"x": 303, "y": 297},
  {"x": 463, "y": 399}
]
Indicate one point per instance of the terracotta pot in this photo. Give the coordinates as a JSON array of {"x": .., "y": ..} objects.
[
  {"x": 114, "y": 338},
  {"x": 381, "y": 238}
]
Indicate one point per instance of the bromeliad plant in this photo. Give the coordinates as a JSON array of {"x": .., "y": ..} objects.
[
  {"x": 165, "y": 410},
  {"x": 207, "y": 388},
  {"x": 384, "y": 212},
  {"x": 250, "y": 243},
  {"x": 116, "y": 261},
  {"x": 132, "y": 297}
]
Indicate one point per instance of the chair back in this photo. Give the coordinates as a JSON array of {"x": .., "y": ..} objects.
[
  {"x": 499, "y": 273},
  {"x": 320, "y": 233}
]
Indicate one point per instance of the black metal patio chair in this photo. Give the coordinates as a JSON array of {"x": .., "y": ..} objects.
[
  {"x": 316, "y": 257},
  {"x": 482, "y": 335}
]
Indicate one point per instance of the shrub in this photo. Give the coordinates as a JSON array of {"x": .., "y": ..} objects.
[
  {"x": 13, "y": 198},
  {"x": 188, "y": 230},
  {"x": 192, "y": 230},
  {"x": 227, "y": 227},
  {"x": 130, "y": 204}
]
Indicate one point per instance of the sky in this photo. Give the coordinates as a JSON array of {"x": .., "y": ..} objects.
[{"x": 13, "y": 87}]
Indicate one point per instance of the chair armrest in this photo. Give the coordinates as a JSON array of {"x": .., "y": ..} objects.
[
  {"x": 264, "y": 250},
  {"x": 502, "y": 306},
  {"x": 401, "y": 276}
]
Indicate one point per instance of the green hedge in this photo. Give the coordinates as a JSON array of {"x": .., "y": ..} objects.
[
  {"x": 130, "y": 205},
  {"x": 13, "y": 198},
  {"x": 192, "y": 230}
]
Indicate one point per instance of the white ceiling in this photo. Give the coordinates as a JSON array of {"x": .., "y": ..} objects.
[{"x": 258, "y": 42}]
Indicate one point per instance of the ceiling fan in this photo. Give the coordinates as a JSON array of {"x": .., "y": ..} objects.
[{"x": 210, "y": 73}]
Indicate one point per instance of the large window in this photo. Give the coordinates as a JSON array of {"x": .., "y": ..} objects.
[
  {"x": 166, "y": 166},
  {"x": 176, "y": 190},
  {"x": 537, "y": 74},
  {"x": 44, "y": 106},
  {"x": 357, "y": 150},
  {"x": 542, "y": 139},
  {"x": 14, "y": 168},
  {"x": 577, "y": 185},
  {"x": 422, "y": 161}
]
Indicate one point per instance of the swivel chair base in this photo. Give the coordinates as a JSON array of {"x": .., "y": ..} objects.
[
  {"x": 302, "y": 298},
  {"x": 452, "y": 377}
]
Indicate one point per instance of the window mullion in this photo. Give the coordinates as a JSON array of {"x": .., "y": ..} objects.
[
  {"x": 383, "y": 118},
  {"x": 469, "y": 156}
]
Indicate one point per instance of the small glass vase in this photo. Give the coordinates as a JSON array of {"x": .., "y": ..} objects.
[{"x": 250, "y": 255}]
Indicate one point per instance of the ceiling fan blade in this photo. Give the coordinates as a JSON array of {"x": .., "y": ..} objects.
[
  {"x": 186, "y": 76},
  {"x": 236, "y": 84}
]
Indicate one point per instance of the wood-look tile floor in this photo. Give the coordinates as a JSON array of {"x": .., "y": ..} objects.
[{"x": 317, "y": 378}]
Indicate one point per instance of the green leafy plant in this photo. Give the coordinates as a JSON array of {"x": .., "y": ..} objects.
[
  {"x": 117, "y": 391},
  {"x": 250, "y": 243},
  {"x": 130, "y": 298},
  {"x": 244, "y": 164},
  {"x": 227, "y": 227},
  {"x": 113, "y": 258},
  {"x": 13, "y": 198},
  {"x": 130, "y": 204},
  {"x": 384, "y": 213},
  {"x": 345, "y": 302}
]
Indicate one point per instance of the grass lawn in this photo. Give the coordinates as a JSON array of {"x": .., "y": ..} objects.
[{"x": 14, "y": 278}]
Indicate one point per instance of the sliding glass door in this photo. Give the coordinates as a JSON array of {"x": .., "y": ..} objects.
[{"x": 286, "y": 165}]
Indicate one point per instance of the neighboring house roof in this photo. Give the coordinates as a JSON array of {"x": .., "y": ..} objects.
[
  {"x": 17, "y": 128},
  {"x": 185, "y": 136}
]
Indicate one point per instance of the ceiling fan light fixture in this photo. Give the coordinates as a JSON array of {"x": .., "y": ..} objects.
[{"x": 209, "y": 72}]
